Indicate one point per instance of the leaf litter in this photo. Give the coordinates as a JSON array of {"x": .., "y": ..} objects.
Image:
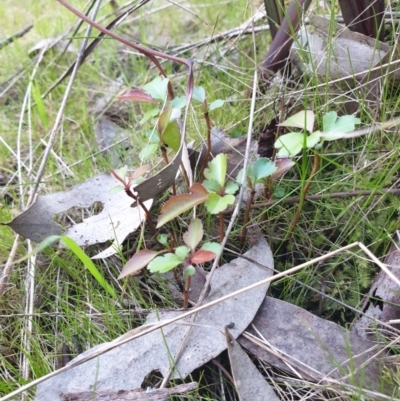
[
  {"x": 115, "y": 222},
  {"x": 294, "y": 340},
  {"x": 153, "y": 351},
  {"x": 249, "y": 382}
]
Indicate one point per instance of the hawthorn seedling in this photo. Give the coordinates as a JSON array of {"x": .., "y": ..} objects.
[
  {"x": 199, "y": 94},
  {"x": 293, "y": 143},
  {"x": 168, "y": 259}
]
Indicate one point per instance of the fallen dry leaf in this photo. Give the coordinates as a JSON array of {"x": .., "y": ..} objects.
[
  {"x": 156, "y": 394},
  {"x": 126, "y": 366},
  {"x": 115, "y": 222},
  {"x": 296, "y": 340},
  {"x": 346, "y": 54},
  {"x": 383, "y": 300},
  {"x": 249, "y": 382}
]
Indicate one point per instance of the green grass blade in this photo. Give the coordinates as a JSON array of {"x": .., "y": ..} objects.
[{"x": 77, "y": 250}]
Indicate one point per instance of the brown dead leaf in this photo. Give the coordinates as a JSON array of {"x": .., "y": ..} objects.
[
  {"x": 115, "y": 222},
  {"x": 296, "y": 340},
  {"x": 383, "y": 300},
  {"x": 346, "y": 54},
  {"x": 249, "y": 382},
  {"x": 126, "y": 366},
  {"x": 159, "y": 394}
]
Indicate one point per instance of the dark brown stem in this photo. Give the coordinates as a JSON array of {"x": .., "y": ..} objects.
[
  {"x": 209, "y": 127},
  {"x": 142, "y": 205},
  {"x": 304, "y": 194},
  {"x": 186, "y": 292},
  {"x": 247, "y": 217},
  {"x": 165, "y": 158}
]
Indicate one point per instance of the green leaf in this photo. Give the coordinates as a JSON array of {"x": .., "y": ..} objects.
[
  {"x": 212, "y": 186},
  {"x": 313, "y": 139},
  {"x": 213, "y": 247},
  {"x": 148, "y": 115},
  {"x": 328, "y": 120},
  {"x": 179, "y": 102},
  {"x": 250, "y": 176},
  {"x": 116, "y": 189},
  {"x": 148, "y": 151},
  {"x": 137, "y": 262},
  {"x": 342, "y": 124},
  {"x": 189, "y": 271},
  {"x": 289, "y": 144},
  {"x": 165, "y": 263},
  {"x": 216, "y": 104},
  {"x": 194, "y": 234},
  {"x": 181, "y": 203},
  {"x": 217, "y": 203},
  {"x": 199, "y": 94},
  {"x": 182, "y": 252},
  {"x": 43, "y": 245},
  {"x": 217, "y": 169},
  {"x": 303, "y": 119},
  {"x": 77, "y": 250},
  {"x": 163, "y": 239},
  {"x": 231, "y": 188},
  {"x": 157, "y": 88},
  {"x": 152, "y": 134},
  {"x": 172, "y": 136},
  {"x": 121, "y": 172},
  {"x": 263, "y": 168}
]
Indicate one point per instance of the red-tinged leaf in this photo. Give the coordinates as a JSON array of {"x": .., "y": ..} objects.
[
  {"x": 139, "y": 172},
  {"x": 283, "y": 165},
  {"x": 138, "y": 95},
  {"x": 202, "y": 256},
  {"x": 181, "y": 203},
  {"x": 137, "y": 262}
]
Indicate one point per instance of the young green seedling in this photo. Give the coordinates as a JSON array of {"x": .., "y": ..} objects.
[
  {"x": 294, "y": 142},
  {"x": 165, "y": 131},
  {"x": 215, "y": 192},
  {"x": 168, "y": 259},
  {"x": 199, "y": 94},
  {"x": 220, "y": 192}
]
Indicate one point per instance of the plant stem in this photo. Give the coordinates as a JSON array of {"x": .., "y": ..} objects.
[
  {"x": 209, "y": 127},
  {"x": 186, "y": 292},
  {"x": 247, "y": 217},
  {"x": 165, "y": 158},
  {"x": 142, "y": 205},
  {"x": 304, "y": 193},
  {"x": 221, "y": 227}
]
